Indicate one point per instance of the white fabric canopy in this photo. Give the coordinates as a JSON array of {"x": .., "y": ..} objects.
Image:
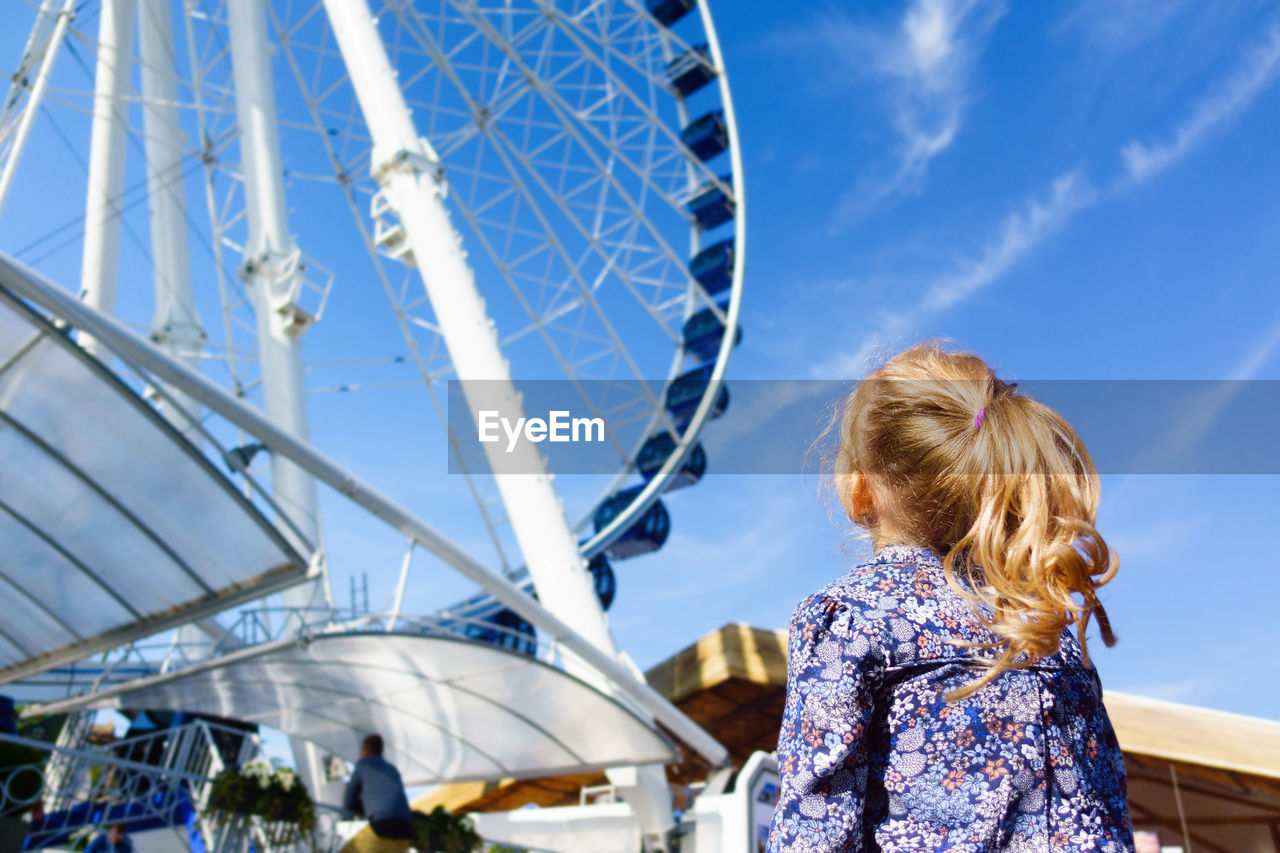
[
  {"x": 112, "y": 525},
  {"x": 449, "y": 709}
]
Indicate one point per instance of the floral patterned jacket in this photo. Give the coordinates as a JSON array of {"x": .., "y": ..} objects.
[{"x": 873, "y": 758}]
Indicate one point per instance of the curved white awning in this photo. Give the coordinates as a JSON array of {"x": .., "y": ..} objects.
[
  {"x": 112, "y": 525},
  {"x": 449, "y": 709}
]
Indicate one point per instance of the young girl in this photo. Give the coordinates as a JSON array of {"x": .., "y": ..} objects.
[{"x": 937, "y": 699}]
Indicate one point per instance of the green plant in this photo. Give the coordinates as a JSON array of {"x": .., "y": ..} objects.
[
  {"x": 502, "y": 848},
  {"x": 46, "y": 727},
  {"x": 259, "y": 790},
  {"x": 444, "y": 832}
]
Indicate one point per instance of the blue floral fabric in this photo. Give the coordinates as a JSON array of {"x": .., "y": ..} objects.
[{"x": 873, "y": 758}]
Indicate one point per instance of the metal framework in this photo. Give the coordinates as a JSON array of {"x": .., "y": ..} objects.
[
  {"x": 548, "y": 131},
  {"x": 28, "y": 85},
  {"x": 405, "y": 167}
]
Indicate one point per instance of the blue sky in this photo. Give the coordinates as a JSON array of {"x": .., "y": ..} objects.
[{"x": 1077, "y": 190}]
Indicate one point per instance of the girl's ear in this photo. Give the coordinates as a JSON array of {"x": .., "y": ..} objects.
[{"x": 861, "y": 504}]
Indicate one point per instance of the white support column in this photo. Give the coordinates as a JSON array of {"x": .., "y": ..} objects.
[
  {"x": 405, "y": 167},
  {"x": 271, "y": 267},
  {"x": 272, "y": 274},
  {"x": 175, "y": 326},
  {"x": 101, "y": 258}
]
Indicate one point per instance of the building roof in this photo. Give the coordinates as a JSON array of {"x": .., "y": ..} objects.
[{"x": 1230, "y": 743}]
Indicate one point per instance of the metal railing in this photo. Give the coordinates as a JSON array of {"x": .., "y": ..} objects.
[
  {"x": 150, "y": 781},
  {"x": 254, "y": 626},
  {"x": 158, "y": 779},
  {"x": 263, "y": 625}
]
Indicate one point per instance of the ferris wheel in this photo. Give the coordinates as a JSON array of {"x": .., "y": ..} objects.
[
  {"x": 526, "y": 190},
  {"x": 563, "y": 177}
]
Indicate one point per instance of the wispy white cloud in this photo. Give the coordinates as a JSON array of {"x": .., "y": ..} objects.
[
  {"x": 1259, "y": 357},
  {"x": 923, "y": 63},
  {"x": 1206, "y": 408},
  {"x": 1019, "y": 233},
  {"x": 929, "y": 60},
  {"x": 749, "y": 553},
  {"x": 852, "y": 364},
  {"x": 1237, "y": 663},
  {"x": 1149, "y": 541},
  {"x": 1037, "y": 219},
  {"x": 1116, "y": 25},
  {"x": 1257, "y": 71}
]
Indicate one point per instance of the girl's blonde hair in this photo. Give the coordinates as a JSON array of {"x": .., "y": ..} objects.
[{"x": 962, "y": 463}]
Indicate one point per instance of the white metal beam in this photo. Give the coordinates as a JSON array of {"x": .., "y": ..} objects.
[{"x": 416, "y": 355}]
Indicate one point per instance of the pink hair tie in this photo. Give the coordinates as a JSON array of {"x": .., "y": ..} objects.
[{"x": 977, "y": 420}]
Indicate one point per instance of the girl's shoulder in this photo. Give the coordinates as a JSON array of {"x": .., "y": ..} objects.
[
  {"x": 899, "y": 605},
  {"x": 867, "y": 598},
  {"x": 892, "y": 572}
]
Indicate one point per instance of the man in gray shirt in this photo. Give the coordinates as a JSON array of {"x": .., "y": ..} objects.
[{"x": 376, "y": 792}]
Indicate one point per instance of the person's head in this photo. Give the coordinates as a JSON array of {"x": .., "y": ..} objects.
[
  {"x": 371, "y": 746},
  {"x": 116, "y": 833},
  {"x": 936, "y": 451}
]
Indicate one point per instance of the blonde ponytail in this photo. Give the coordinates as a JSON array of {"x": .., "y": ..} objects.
[{"x": 997, "y": 483}]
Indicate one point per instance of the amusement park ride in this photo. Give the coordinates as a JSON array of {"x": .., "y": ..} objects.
[{"x": 538, "y": 189}]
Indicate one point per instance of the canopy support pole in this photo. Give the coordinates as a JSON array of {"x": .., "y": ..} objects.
[{"x": 1182, "y": 813}]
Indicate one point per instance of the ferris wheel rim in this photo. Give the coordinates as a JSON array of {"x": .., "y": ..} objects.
[{"x": 688, "y": 439}]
